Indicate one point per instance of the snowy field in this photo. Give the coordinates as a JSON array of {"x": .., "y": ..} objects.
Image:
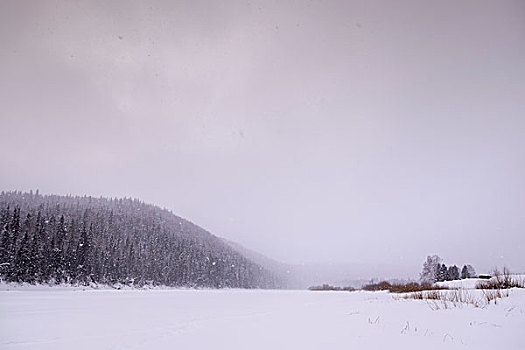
[{"x": 61, "y": 318}]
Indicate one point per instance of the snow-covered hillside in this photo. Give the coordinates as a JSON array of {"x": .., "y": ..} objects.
[
  {"x": 49, "y": 238},
  {"x": 250, "y": 319}
]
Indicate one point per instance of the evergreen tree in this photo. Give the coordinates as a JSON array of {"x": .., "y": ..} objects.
[
  {"x": 453, "y": 273},
  {"x": 82, "y": 255},
  {"x": 11, "y": 243},
  {"x": 464, "y": 272},
  {"x": 22, "y": 262},
  {"x": 4, "y": 240},
  {"x": 442, "y": 273},
  {"x": 468, "y": 272}
]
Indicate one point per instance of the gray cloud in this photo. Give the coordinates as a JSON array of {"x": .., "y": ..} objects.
[{"x": 367, "y": 133}]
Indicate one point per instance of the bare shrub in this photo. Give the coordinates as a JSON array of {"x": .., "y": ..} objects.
[
  {"x": 413, "y": 287},
  {"x": 501, "y": 280},
  {"x": 401, "y": 287},
  {"x": 384, "y": 285},
  {"x": 326, "y": 287}
]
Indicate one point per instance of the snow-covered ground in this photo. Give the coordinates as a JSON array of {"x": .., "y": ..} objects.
[
  {"x": 61, "y": 318},
  {"x": 471, "y": 283}
]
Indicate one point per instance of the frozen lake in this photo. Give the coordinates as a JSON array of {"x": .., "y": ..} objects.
[{"x": 59, "y": 318}]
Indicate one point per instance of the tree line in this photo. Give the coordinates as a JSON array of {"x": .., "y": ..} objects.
[
  {"x": 82, "y": 240},
  {"x": 435, "y": 271}
]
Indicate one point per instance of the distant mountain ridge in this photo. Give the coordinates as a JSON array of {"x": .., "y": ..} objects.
[{"x": 73, "y": 239}]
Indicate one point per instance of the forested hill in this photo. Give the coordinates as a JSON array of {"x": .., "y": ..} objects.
[{"x": 96, "y": 240}]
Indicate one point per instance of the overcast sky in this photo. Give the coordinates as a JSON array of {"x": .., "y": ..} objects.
[{"x": 369, "y": 133}]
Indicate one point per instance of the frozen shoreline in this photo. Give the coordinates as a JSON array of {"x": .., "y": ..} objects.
[{"x": 254, "y": 319}]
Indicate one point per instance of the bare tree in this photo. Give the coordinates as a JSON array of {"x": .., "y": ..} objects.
[{"x": 430, "y": 269}]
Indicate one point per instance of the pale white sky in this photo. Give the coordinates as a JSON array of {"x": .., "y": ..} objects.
[{"x": 370, "y": 133}]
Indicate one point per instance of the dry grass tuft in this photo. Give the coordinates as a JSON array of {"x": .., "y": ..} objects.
[{"x": 447, "y": 299}]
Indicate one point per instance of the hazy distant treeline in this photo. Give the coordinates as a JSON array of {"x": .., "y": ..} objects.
[{"x": 96, "y": 240}]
